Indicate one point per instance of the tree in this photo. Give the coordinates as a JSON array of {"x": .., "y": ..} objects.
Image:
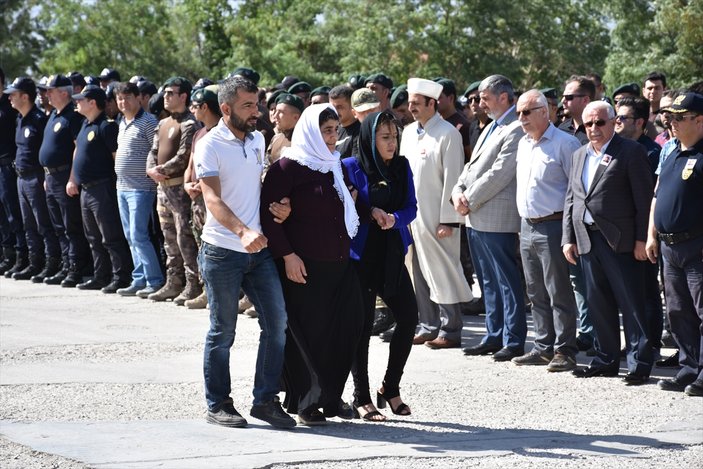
[
  {"x": 662, "y": 35},
  {"x": 19, "y": 44}
]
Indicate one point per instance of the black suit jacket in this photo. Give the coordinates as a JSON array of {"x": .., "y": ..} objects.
[{"x": 619, "y": 198}]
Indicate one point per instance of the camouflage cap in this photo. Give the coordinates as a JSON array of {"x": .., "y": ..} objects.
[{"x": 364, "y": 99}]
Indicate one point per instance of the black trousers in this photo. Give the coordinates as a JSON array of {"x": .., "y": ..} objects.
[
  {"x": 403, "y": 306},
  {"x": 65, "y": 214},
  {"x": 615, "y": 281},
  {"x": 103, "y": 230}
]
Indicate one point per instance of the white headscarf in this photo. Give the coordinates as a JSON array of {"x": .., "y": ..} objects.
[{"x": 309, "y": 149}]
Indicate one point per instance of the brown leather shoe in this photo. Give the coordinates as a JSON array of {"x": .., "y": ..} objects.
[
  {"x": 443, "y": 342},
  {"x": 421, "y": 339}
]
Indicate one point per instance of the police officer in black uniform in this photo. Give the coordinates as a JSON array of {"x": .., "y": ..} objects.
[
  {"x": 56, "y": 156},
  {"x": 677, "y": 220},
  {"x": 14, "y": 245},
  {"x": 94, "y": 172},
  {"x": 43, "y": 244}
]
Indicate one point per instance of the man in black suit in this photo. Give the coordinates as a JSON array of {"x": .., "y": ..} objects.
[{"x": 605, "y": 229}]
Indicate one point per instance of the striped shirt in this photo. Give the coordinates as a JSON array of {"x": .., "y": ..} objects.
[{"x": 133, "y": 145}]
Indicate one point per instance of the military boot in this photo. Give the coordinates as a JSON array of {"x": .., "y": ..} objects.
[
  {"x": 73, "y": 277},
  {"x": 59, "y": 277},
  {"x": 21, "y": 262},
  {"x": 10, "y": 256},
  {"x": 190, "y": 292},
  {"x": 36, "y": 265},
  {"x": 198, "y": 303},
  {"x": 52, "y": 266},
  {"x": 171, "y": 289}
]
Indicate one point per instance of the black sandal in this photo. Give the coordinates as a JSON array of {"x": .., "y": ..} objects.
[
  {"x": 383, "y": 398},
  {"x": 369, "y": 416}
]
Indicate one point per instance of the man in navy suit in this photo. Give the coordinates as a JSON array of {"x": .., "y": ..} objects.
[{"x": 605, "y": 229}]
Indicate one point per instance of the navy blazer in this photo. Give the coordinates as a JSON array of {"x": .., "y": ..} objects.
[
  {"x": 619, "y": 197},
  {"x": 403, "y": 217}
]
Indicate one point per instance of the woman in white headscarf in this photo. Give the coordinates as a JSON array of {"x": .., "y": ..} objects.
[{"x": 321, "y": 288}]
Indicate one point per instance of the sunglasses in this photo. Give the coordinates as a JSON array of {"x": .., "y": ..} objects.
[
  {"x": 527, "y": 112},
  {"x": 621, "y": 119},
  {"x": 570, "y": 97},
  {"x": 682, "y": 117},
  {"x": 597, "y": 123},
  {"x": 474, "y": 99}
]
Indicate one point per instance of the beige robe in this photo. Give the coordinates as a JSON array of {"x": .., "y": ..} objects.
[{"x": 436, "y": 158}]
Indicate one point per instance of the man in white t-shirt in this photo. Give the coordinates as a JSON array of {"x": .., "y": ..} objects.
[{"x": 229, "y": 162}]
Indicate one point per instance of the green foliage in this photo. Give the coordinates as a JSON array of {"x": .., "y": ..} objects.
[
  {"x": 661, "y": 35},
  {"x": 19, "y": 46},
  {"x": 534, "y": 42}
]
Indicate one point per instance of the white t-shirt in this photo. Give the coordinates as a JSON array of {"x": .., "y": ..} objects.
[{"x": 239, "y": 165}]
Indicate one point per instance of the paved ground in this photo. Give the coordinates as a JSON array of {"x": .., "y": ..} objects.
[{"x": 91, "y": 380}]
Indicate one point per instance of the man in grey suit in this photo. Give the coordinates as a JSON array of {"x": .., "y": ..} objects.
[
  {"x": 605, "y": 228},
  {"x": 485, "y": 194}
]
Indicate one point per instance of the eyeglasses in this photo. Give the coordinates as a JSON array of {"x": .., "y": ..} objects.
[
  {"x": 570, "y": 97},
  {"x": 621, "y": 119},
  {"x": 527, "y": 112},
  {"x": 598, "y": 123},
  {"x": 682, "y": 117},
  {"x": 474, "y": 99},
  {"x": 196, "y": 105}
]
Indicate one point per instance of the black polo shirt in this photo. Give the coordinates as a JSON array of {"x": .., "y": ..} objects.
[
  {"x": 578, "y": 132},
  {"x": 95, "y": 144},
  {"x": 679, "y": 205},
  {"x": 8, "y": 120},
  {"x": 28, "y": 138},
  {"x": 61, "y": 130},
  {"x": 653, "y": 151}
]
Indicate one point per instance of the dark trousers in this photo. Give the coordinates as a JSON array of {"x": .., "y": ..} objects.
[
  {"x": 615, "y": 281},
  {"x": 39, "y": 231},
  {"x": 103, "y": 230},
  {"x": 65, "y": 213},
  {"x": 653, "y": 305},
  {"x": 403, "y": 306},
  {"x": 683, "y": 287},
  {"x": 13, "y": 231}
]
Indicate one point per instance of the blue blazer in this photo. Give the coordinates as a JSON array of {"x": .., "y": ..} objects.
[{"x": 403, "y": 217}]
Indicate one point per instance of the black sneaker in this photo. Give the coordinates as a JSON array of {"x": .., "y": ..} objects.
[
  {"x": 227, "y": 416},
  {"x": 272, "y": 413},
  {"x": 311, "y": 417}
]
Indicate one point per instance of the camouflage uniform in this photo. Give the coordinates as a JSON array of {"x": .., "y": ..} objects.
[{"x": 171, "y": 150}]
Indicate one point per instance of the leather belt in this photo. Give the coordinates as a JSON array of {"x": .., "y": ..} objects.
[
  {"x": 675, "y": 238},
  {"x": 57, "y": 169},
  {"x": 90, "y": 184},
  {"x": 592, "y": 227},
  {"x": 553, "y": 217},
  {"x": 172, "y": 182},
  {"x": 25, "y": 173}
]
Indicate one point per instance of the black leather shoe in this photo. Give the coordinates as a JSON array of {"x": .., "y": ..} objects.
[
  {"x": 506, "y": 354},
  {"x": 113, "y": 286},
  {"x": 695, "y": 388},
  {"x": 91, "y": 284},
  {"x": 673, "y": 384},
  {"x": 591, "y": 371},
  {"x": 669, "y": 362},
  {"x": 56, "y": 279},
  {"x": 635, "y": 379},
  {"x": 481, "y": 349}
]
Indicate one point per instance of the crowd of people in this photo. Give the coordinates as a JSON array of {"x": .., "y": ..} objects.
[{"x": 336, "y": 213}]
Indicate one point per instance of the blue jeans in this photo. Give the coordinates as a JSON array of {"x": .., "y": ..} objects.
[
  {"x": 224, "y": 272},
  {"x": 135, "y": 213},
  {"x": 496, "y": 263}
]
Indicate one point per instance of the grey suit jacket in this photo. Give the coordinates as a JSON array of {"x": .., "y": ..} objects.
[
  {"x": 488, "y": 179},
  {"x": 619, "y": 197}
]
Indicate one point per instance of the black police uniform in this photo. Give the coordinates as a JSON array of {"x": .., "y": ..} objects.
[
  {"x": 678, "y": 218},
  {"x": 42, "y": 241},
  {"x": 56, "y": 156},
  {"x": 578, "y": 132},
  {"x": 13, "y": 240},
  {"x": 94, "y": 171}
]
